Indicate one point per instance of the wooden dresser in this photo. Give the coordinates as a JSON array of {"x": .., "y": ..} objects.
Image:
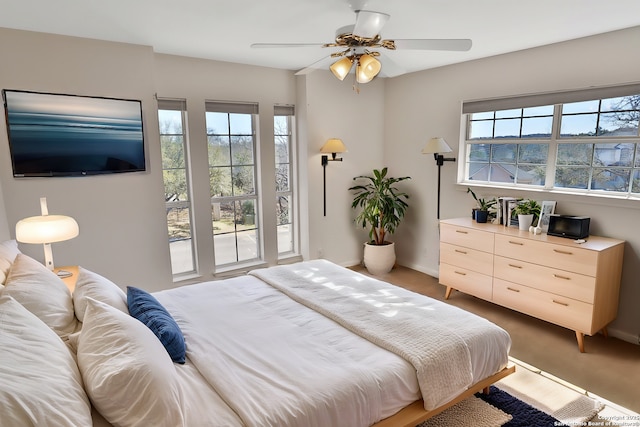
[{"x": 574, "y": 285}]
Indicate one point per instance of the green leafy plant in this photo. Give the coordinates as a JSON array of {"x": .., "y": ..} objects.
[
  {"x": 483, "y": 204},
  {"x": 528, "y": 207},
  {"x": 382, "y": 205}
]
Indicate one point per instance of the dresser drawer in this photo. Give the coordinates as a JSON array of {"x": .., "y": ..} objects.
[
  {"x": 472, "y": 259},
  {"x": 560, "y": 310},
  {"x": 562, "y": 257},
  {"x": 560, "y": 282},
  {"x": 467, "y": 281},
  {"x": 467, "y": 237}
]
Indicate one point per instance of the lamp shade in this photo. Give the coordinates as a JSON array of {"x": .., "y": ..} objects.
[
  {"x": 46, "y": 229},
  {"x": 436, "y": 145},
  {"x": 341, "y": 67},
  {"x": 367, "y": 68},
  {"x": 333, "y": 145}
]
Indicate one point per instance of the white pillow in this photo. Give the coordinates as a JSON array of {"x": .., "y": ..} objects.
[
  {"x": 92, "y": 285},
  {"x": 8, "y": 252},
  {"x": 43, "y": 293},
  {"x": 39, "y": 380},
  {"x": 127, "y": 373}
]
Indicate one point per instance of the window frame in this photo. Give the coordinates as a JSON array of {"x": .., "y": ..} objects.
[
  {"x": 288, "y": 111},
  {"x": 554, "y": 141}
]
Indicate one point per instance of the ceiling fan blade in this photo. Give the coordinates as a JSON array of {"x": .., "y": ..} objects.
[
  {"x": 434, "y": 44},
  {"x": 322, "y": 63},
  {"x": 369, "y": 23},
  {"x": 279, "y": 45}
]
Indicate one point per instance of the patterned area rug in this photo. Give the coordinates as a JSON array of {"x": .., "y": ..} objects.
[{"x": 526, "y": 398}]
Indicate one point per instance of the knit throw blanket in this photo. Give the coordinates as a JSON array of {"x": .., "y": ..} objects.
[{"x": 427, "y": 333}]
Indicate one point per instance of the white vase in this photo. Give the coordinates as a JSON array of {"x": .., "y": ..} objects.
[
  {"x": 379, "y": 259},
  {"x": 524, "y": 221}
]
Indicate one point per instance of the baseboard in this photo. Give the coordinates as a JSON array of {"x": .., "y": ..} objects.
[
  {"x": 622, "y": 335},
  {"x": 423, "y": 269}
]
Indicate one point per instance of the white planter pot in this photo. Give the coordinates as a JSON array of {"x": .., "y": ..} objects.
[
  {"x": 524, "y": 221},
  {"x": 379, "y": 259}
]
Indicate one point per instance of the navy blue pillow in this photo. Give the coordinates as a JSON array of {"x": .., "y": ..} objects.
[{"x": 147, "y": 309}]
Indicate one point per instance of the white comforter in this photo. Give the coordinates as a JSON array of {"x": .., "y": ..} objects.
[{"x": 275, "y": 362}]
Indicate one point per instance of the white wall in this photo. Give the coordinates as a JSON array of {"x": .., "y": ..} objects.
[{"x": 426, "y": 104}]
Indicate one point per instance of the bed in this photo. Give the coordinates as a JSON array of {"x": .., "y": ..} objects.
[{"x": 306, "y": 344}]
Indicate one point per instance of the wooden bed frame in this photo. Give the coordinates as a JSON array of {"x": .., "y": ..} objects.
[{"x": 414, "y": 414}]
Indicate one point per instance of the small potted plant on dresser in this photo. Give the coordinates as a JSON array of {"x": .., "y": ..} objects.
[
  {"x": 382, "y": 207},
  {"x": 481, "y": 212},
  {"x": 528, "y": 211}
]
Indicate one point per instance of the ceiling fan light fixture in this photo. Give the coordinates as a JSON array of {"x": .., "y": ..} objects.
[
  {"x": 367, "y": 68},
  {"x": 341, "y": 67}
]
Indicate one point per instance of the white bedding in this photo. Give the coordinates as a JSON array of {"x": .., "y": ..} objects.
[{"x": 277, "y": 363}]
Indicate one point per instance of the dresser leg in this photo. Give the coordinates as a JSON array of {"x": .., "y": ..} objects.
[
  {"x": 605, "y": 333},
  {"x": 580, "y": 337},
  {"x": 447, "y": 294}
]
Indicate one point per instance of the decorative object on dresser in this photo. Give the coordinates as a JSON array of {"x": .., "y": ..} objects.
[
  {"x": 382, "y": 206},
  {"x": 528, "y": 211},
  {"x": 481, "y": 211},
  {"x": 547, "y": 209},
  {"x": 574, "y": 285},
  {"x": 47, "y": 229}
]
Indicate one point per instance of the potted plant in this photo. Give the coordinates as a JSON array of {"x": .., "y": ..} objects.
[
  {"x": 481, "y": 212},
  {"x": 382, "y": 207},
  {"x": 528, "y": 211}
]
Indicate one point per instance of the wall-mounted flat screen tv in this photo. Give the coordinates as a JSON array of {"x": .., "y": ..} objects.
[{"x": 70, "y": 135}]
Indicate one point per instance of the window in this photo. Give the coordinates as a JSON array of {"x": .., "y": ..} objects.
[
  {"x": 232, "y": 177},
  {"x": 282, "y": 124},
  {"x": 173, "y": 138},
  {"x": 576, "y": 143}
]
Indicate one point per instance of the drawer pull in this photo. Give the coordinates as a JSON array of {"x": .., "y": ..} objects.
[
  {"x": 460, "y": 273},
  {"x": 563, "y": 252},
  {"x": 561, "y": 303},
  {"x": 516, "y": 243},
  {"x": 512, "y": 289},
  {"x": 557, "y": 276},
  {"x": 515, "y": 266},
  {"x": 461, "y": 252},
  {"x": 462, "y": 232}
]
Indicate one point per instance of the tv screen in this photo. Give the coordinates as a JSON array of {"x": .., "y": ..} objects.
[{"x": 69, "y": 135}]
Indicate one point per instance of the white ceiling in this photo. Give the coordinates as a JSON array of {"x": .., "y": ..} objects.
[{"x": 224, "y": 30}]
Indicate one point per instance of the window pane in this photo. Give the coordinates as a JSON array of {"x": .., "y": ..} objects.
[
  {"x": 220, "y": 182},
  {"x": 503, "y": 153},
  {"x": 247, "y": 245},
  {"x": 545, "y": 110},
  {"x": 537, "y": 127},
  {"x": 478, "y": 172},
  {"x": 578, "y": 125},
  {"x": 283, "y": 211},
  {"x": 533, "y": 153},
  {"x": 172, "y": 147},
  {"x": 613, "y": 154},
  {"x": 242, "y": 150},
  {"x": 219, "y": 149},
  {"x": 531, "y": 174},
  {"x": 616, "y": 104},
  {"x": 482, "y": 116},
  {"x": 479, "y": 152},
  {"x": 175, "y": 185},
  {"x": 574, "y": 154},
  {"x": 243, "y": 180},
  {"x": 635, "y": 186},
  {"x": 217, "y": 123},
  {"x": 508, "y": 113},
  {"x": 240, "y": 124},
  {"x": 618, "y": 124},
  {"x": 247, "y": 215},
  {"x": 581, "y": 107},
  {"x": 502, "y": 172},
  {"x": 180, "y": 247},
  {"x": 572, "y": 177},
  {"x": 282, "y": 177},
  {"x": 282, "y": 149},
  {"x": 481, "y": 130},
  {"x": 223, "y": 215},
  {"x": 225, "y": 247},
  {"x": 170, "y": 122},
  {"x": 285, "y": 239},
  {"x": 507, "y": 128},
  {"x": 637, "y": 163},
  {"x": 611, "y": 179}
]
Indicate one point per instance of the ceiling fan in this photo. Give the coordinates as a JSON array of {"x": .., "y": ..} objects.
[{"x": 357, "y": 42}]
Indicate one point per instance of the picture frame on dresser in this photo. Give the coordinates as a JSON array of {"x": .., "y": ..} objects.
[{"x": 548, "y": 208}]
